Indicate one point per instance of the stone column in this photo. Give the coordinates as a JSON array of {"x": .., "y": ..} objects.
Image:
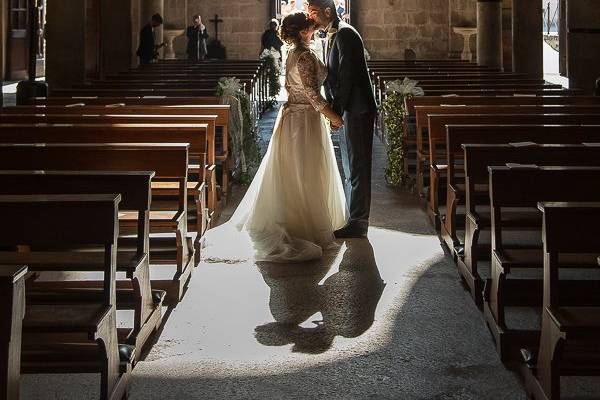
[
  {"x": 489, "y": 33},
  {"x": 149, "y": 8},
  {"x": 562, "y": 33},
  {"x": 527, "y": 38},
  {"x": 65, "y": 50},
  {"x": 116, "y": 46},
  {"x": 583, "y": 36},
  {"x": 3, "y": 37}
]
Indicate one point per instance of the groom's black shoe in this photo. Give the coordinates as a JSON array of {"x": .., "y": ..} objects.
[{"x": 351, "y": 231}]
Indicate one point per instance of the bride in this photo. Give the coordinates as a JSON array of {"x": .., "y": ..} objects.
[{"x": 296, "y": 200}]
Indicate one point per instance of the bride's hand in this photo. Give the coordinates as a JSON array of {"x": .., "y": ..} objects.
[{"x": 336, "y": 122}]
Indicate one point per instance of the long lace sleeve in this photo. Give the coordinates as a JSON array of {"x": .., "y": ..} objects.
[{"x": 308, "y": 68}]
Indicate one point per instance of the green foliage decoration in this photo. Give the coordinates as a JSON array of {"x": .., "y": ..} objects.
[
  {"x": 272, "y": 58},
  {"x": 394, "y": 117}
]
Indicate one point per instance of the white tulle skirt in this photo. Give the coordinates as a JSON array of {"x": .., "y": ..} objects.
[{"x": 295, "y": 202}]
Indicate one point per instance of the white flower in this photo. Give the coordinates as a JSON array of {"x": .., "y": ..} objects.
[
  {"x": 272, "y": 53},
  {"x": 404, "y": 87},
  {"x": 230, "y": 86}
]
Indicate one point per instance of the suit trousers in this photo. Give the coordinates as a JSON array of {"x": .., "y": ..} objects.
[{"x": 356, "y": 146}]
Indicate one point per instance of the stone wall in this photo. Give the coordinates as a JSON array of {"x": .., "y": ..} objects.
[
  {"x": 388, "y": 26},
  {"x": 244, "y": 21},
  {"x": 391, "y": 26}
]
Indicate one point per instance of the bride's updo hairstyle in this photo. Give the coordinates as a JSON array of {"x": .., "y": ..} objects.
[{"x": 292, "y": 25}]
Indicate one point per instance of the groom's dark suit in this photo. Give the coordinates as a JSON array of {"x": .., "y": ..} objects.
[{"x": 348, "y": 89}]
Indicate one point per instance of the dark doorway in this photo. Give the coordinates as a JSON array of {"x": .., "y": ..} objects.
[{"x": 18, "y": 38}]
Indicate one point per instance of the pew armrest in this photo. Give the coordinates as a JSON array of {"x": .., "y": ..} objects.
[
  {"x": 12, "y": 273},
  {"x": 439, "y": 169},
  {"x": 473, "y": 219}
]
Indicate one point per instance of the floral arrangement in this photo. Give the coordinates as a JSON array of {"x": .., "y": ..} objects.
[
  {"x": 394, "y": 115},
  {"x": 273, "y": 59},
  {"x": 242, "y": 129}
]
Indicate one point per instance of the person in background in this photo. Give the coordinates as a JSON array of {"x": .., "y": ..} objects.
[
  {"x": 270, "y": 38},
  {"x": 147, "y": 48},
  {"x": 197, "y": 35},
  {"x": 597, "y": 91}
]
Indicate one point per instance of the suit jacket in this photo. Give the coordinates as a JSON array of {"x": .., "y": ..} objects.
[
  {"x": 348, "y": 85},
  {"x": 146, "y": 48},
  {"x": 196, "y": 41},
  {"x": 269, "y": 39}
]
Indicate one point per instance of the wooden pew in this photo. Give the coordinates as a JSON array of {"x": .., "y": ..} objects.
[
  {"x": 453, "y": 142},
  {"x": 186, "y": 106},
  {"x": 134, "y": 293},
  {"x": 12, "y": 301},
  {"x": 501, "y": 91},
  {"x": 411, "y": 103},
  {"x": 118, "y": 107},
  {"x": 523, "y": 188},
  {"x": 69, "y": 338},
  {"x": 475, "y": 190},
  {"x": 411, "y": 162},
  {"x": 466, "y": 86},
  {"x": 437, "y": 142},
  {"x": 169, "y": 242},
  {"x": 123, "y": 100},
  {"x": 570, "y": 329},
  {"x": 422, "y": 123},
  {"x": 194, "y": 134},
  {"x": 381, "y": 82},
  {"x": 202, "y": 150},
  {"x": 132, "y": 92}
]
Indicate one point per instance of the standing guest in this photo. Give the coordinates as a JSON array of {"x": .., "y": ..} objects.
[
  {"x": 270, "y": 38},
  {"x": 597, "y": 90},
  {"x": 147, "y": 50},
  {"x": 197, "y": 35}
]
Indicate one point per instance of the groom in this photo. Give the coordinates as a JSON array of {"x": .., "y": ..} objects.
[{"x": 349, "y": 91}]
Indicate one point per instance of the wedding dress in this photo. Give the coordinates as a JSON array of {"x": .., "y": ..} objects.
[{"x": 296, "y": 200}]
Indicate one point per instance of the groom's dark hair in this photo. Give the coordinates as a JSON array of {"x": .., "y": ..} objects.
[{"x": 323, "y": 4}]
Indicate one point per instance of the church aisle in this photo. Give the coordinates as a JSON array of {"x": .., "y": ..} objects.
[{"x": 379, "y": 318}]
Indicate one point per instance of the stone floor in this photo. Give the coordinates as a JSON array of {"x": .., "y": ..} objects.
[{"x": 383, "y": 318}]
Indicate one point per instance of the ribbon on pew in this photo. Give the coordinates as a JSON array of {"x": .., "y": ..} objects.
[{"x": 229, "y": 90}]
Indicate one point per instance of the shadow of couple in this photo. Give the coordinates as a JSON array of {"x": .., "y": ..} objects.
[{"x": 346, "y": 299}]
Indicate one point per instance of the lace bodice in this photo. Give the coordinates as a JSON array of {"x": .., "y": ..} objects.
[{"x": 304, "y": 78}]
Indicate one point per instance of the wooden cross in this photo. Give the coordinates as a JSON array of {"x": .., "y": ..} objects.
[{"x": 216, "y": 21}]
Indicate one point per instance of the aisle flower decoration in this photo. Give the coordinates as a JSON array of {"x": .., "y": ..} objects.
[
  {"x": 394, "y": 126},
  {"x": 273, "y": 59},
  {"x": 242, "y": 130}
]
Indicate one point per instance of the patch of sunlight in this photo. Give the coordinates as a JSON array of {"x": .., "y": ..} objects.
[
  {"x": 297, "y": 314},
  {"x": 551, "y": 67}
]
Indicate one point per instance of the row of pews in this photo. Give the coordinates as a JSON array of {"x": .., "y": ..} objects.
[
  {"x": 106, "y": 192},
  {"x": 507, "y": 168}
]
